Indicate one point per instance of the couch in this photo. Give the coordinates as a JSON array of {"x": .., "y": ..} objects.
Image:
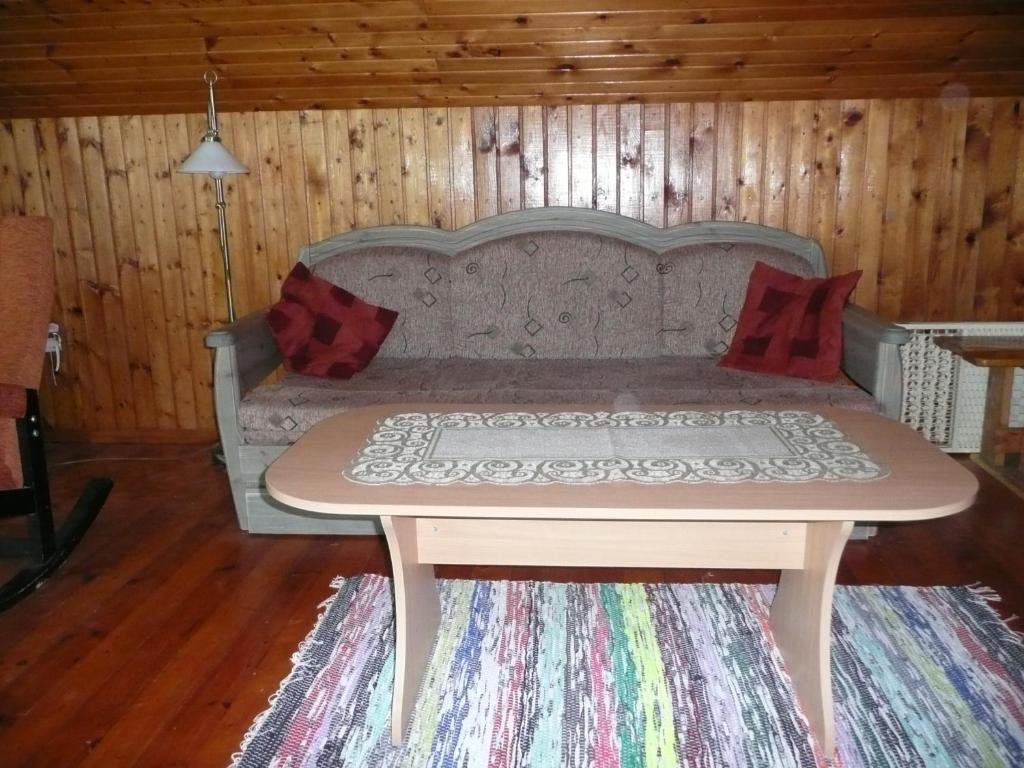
[{"x": 549, "y": 305}]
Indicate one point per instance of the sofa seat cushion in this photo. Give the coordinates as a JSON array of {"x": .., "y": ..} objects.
[{"x": 279, "y": 413}]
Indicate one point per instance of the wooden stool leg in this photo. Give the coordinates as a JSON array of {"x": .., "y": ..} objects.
[
  {"x": 417, "y": 617},
  {"x": 801, "y": 619},
  {"x": 996, "y": 435}
]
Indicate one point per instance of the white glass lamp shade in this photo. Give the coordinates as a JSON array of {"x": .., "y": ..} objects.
[{"x": 211, "y": 157}]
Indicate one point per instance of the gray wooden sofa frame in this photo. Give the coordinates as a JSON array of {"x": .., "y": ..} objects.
[{"x": 245, "y": 353}]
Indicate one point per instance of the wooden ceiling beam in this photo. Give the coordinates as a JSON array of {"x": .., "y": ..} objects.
[
  {"x": 347, "y": 31},
  {"x": 86, "y": 7},
  {"x": 162, "y": 24},
  {"x": 527, "y": 90},
  {"x": 734, "y": 93},
  {"x": 373, "y": 82},
  {"x": 82, "y": 54},
  {"x": 944, "y": 59},
  {"x": 81, "y": 15}
]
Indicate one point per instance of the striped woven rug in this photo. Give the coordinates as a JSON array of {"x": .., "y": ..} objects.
[{"x": 623, "y": 675}]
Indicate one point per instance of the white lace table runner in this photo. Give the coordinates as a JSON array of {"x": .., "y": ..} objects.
[{"x": 657, "y": 447}]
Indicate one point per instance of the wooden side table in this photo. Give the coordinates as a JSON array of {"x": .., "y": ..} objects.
[{"x": 1001, "y": 355}]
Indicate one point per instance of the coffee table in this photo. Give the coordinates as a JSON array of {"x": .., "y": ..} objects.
[{"x": 800, "y": 528}]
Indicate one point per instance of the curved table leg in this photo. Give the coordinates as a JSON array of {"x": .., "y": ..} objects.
[
  {"x": 417, "y": 616},
  {"x": 801, "y": 619}
]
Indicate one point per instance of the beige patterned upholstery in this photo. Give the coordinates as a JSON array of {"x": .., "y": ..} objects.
[
  {"x": 556, "y": 295},
  {"x": 278, "y": 414},
  {"x": 548, "y": 305},
  {"x": 550, "y": 316},
  {"x": 413, "y": 281},
  {"x": 703, "y": 288}
]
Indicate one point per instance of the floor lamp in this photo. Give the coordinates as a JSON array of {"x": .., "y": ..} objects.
[{"x": 211, "y": 157}]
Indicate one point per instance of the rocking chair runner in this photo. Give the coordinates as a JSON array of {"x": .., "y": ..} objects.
[{"x": 26, "y": 296}]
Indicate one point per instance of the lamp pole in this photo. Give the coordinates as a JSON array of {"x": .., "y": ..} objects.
[{"x": 222, "y": 227}]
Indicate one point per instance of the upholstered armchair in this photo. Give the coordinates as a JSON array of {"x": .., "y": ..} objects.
[{"x": 26, "y": 297}]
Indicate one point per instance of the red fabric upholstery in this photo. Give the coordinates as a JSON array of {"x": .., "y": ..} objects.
[
  {"x": 26, "y": 297},
  {"x": 323, "y": 330},
  {"x": 791, "y": 325}
]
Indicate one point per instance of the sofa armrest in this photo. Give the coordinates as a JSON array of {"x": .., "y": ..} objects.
[
  {"x": 244, "y": 355},
  {"x": 249, "y": 343},
  {"x": 871, "y": 356}
]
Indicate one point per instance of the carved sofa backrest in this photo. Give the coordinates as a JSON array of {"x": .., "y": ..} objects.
[{"x": 557, "y": 293}]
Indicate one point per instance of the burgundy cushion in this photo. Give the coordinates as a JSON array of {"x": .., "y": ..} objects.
[
  {"x": 323, "y": 330},
  {"x": 791, "y": 325}
]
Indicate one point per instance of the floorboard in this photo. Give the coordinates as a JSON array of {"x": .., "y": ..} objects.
[{"x": 166, "y": 631}]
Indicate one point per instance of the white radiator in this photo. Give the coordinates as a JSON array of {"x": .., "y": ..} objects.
[{"x": 944, "y": 397}]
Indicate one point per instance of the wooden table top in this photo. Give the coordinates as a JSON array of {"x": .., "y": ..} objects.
[
  {"x": 923, "y": 482},
  {"x": 987, "y": 351}
]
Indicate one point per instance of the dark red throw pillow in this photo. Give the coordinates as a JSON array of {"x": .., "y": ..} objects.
[
  {"x": 791, "y": 325},
  {"x": 323, "y": 330}
]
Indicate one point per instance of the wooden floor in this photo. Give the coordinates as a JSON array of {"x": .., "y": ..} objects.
[{"x": 162, "y": 637}]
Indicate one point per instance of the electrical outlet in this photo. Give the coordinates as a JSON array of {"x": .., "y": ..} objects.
[{"x": 53, "y": 338}]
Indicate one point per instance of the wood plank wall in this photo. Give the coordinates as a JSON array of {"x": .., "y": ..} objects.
[{"x": 926, "y": 196}]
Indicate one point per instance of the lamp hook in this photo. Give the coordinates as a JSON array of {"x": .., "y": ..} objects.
[{"x": 210, "y": 77}]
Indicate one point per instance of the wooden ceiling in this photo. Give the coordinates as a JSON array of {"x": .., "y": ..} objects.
[{"x": 96, "y": 57}]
